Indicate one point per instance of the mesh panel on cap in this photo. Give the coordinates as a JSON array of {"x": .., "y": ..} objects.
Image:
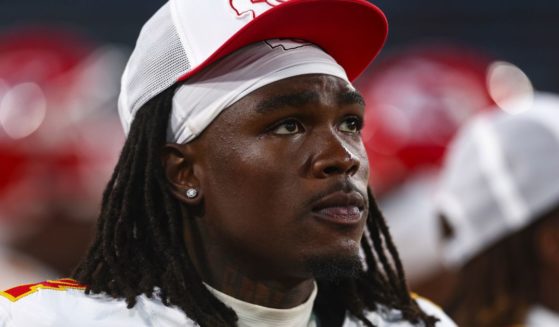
[{"x": 156, "y": 63}]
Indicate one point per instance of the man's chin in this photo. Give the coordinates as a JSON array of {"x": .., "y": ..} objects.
[{"x": 334, "y": 267}]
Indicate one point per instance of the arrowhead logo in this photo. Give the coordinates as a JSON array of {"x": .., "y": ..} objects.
[{"x": 253, "y": 7}]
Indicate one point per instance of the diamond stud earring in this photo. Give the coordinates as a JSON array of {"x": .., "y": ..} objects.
[{"x": 191, "y": 193}]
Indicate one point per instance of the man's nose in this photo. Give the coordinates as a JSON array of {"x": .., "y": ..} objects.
[{"x": 334, "y": 158}]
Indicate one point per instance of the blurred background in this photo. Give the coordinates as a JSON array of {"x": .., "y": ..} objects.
[{"x": 60, "y": 64}]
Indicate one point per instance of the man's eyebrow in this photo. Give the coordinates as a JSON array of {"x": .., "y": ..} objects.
[
  {"x": 351, "y": 97},
  {"x": 299, "y": 99}
]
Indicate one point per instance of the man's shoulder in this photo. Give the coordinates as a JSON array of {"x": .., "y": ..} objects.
[
  {"x": 64, "y": 302},
  {"x": 48, "y": 303},
  {"x": 17, "y": 293},
  {"x": 434, "y": 310},
  {"x": 37, "y": 303},
  {"x": 386, "y": 317}
]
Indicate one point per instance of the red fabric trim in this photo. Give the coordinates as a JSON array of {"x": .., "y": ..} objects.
[
  {"x": 18, "y": 292},
  {"x": 351, "y": 31}
]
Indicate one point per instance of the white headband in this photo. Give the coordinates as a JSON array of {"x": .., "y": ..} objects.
[{"x": 205, "y": 95}]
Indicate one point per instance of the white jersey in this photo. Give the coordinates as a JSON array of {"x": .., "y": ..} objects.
[{"x": 63, "y": 303}]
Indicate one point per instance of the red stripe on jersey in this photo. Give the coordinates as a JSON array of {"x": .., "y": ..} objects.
[{"x": 18, "y": 292}]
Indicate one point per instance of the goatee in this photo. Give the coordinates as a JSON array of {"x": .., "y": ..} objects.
[{"x": 334, "y": 268}]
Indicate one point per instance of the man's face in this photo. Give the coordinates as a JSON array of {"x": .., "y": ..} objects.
[{"x": 283, "y": 173}]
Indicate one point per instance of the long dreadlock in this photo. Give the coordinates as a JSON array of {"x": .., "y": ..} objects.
[{"x": 139, "y": 247}]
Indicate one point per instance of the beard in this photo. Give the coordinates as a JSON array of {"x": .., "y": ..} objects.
[{"x": 334, "y": 268}]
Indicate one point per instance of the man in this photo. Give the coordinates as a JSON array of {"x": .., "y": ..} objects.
[
  {"x": 250, "y": 216},
  {"x": 500, "y": 200}
]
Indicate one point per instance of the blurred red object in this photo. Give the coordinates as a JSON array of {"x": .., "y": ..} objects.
[
  {"x": 41, "y": 58},
  {"x": 416, "y": 100},
  {"x": 59, "y": 132}
]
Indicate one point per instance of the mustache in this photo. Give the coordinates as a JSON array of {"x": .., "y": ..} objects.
[{"x": 342, "y": 186}]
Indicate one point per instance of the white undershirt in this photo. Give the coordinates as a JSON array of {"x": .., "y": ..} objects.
[{"x": 252, "y": 315}]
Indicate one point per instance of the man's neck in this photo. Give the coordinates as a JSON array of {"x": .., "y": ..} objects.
[
  {"x": 272, "y": 294},
  {"x": 228, "y": 277}
]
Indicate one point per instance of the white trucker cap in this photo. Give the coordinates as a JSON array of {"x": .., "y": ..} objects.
[
  {"x": 501, "y": 173},
  {"x": 184, "y": 36}
]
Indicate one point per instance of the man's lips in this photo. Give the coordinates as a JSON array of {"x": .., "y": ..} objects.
[{"x": 340, "y": 208}]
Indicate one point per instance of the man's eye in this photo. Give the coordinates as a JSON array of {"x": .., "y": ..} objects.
[
  {"x": 288, "y": 127},
  {"x": 351, "y": 125}
]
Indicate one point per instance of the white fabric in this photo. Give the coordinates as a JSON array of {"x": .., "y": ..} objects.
[
  {"x": 541, "y": 317},
  {"x": 178, "y": 38},
  {"x": 493, "y": 163},
  {"x": 500, "y": 174},
  {"x": 252, "y": 315},
  {"x": 204, "y": 96},
  {"x": 393, "y": 318},
  {"x": 156, "y": 63},
  {"x": 414, "y": 224},
  {"x": 185, "y": 35},
  {"x": 71, "y": 307}
]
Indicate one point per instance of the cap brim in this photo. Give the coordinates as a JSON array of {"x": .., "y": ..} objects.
[{"x": 351, "y": 31}]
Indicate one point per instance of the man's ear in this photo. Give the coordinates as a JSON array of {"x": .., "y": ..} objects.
[{"x": 178, "y": 165}]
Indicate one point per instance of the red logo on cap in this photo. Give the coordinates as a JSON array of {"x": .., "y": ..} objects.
[{"x": 254, "y": 7}]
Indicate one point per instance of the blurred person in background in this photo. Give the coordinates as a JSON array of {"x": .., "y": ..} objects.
[
  {"x": 59, "y": 138},
  {"x": 499, "y": 203},
  {"x": 417, "y": 98}
]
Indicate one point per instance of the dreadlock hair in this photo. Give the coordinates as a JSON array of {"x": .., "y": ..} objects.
[
  {"x": 139, "y": 247},
  {"x": 500, "y": 285}
]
